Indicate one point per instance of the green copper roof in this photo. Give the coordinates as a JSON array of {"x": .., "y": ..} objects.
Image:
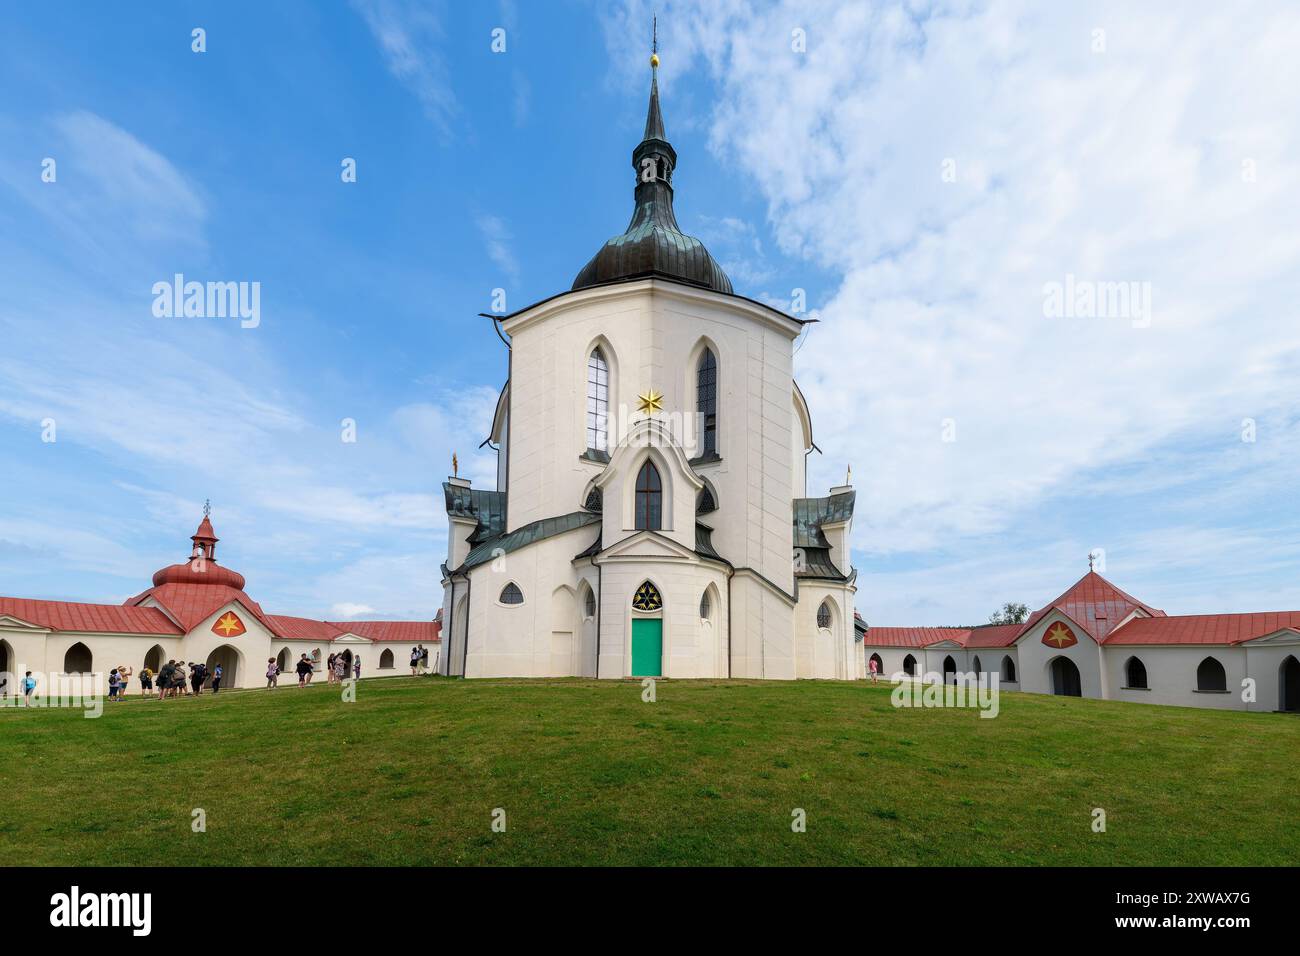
[
  {"x": 811, "y": 513},
  {"x": 486, "y": 507},
  {"x": 530, "y": 533}
]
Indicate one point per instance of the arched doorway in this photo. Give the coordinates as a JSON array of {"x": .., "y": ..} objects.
[
  {"x": 1065, "y": 678},
  {"x": 154, "y": 660},
  {"x": 949, "y": 670},
  {"x": 647, "y": 632},
  {"x": 228, "y": 658},
  {"x": 909, "y": 665},
  {"x": 347, "y": 663},
  {"x": 284, "y": 660},
  {"x": 880, "y": 663},
  {"x": 1288, "y": 681},
  {"x": 386, "y": 659},
  {"x": 78, "y": 660},
  {"x": 8, "y": 680}
]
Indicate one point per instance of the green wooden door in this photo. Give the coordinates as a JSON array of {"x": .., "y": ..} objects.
[{"x": 647, "y": 647}]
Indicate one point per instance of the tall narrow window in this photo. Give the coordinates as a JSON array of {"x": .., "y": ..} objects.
[
  {"x": 706, "y": 400},
  {"x": 597, "y": 402},
  {"x": 649, "y": 498}
]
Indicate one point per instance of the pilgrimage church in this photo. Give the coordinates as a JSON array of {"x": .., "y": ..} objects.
[
  {"x": 651, "y": 518},
  {"x": 651, "y": 479},
  {"x": 195, "y": 611}
]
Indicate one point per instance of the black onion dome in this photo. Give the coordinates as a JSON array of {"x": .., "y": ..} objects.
[{"x": 653, "y": 244}]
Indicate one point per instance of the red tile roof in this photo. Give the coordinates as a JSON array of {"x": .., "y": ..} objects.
[
  {"x": 912, "y": 636},
  {"x": 412, "y": 632},
  {"x": 1204, "y": 628},
  {"x": 302, "y": 628},
  {"x": 191, "y": 603},
  {"x": 1094, "y": 604},
  {"x": 89, "y": 618},
  {"x": 995, "y": 635}
]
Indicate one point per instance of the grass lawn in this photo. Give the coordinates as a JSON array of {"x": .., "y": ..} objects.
[{"x": 587, "y": 773}]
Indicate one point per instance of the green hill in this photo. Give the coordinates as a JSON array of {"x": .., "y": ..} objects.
[{"x": 587, "y": 773}]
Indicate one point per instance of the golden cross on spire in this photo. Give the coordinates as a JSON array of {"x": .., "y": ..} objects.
[{"x": 207, "y": 507}]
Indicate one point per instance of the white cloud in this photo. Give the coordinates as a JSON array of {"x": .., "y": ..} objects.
[
  {"x": 347, "y": 612},
  {"x": 408, "y": 34},
  {"x": 496, "y": 239},
  {"x": 1114, "y": 166}
]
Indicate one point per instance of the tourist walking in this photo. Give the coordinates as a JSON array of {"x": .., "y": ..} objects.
[
  {"x": 29, "y": 685},
  {"x": 356, "y": 667},
  {"x": 216, "y": 678},
  {"x": 871, "y": 666},
  {"x": 424, "y": 659},
  {"x": 146, "y": 681},
  {"x": 272, "y": 673},
  {"x": 329, "y": 668},
  {"x": 415, "y": 661},
  {"x": 197, "y": 674},
  {"x": 304, "y": 672},
  {"x": 340, "y": 669},
  {"x": 114, "y": 684}
]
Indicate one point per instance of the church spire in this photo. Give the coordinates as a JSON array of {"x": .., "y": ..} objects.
[{"x": 653, "y": 243}]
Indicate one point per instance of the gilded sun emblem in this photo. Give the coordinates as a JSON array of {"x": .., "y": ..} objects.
[{"x": 650, "y": 402}]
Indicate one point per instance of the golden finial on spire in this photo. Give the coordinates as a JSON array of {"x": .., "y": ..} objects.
[
  {"x": 654, "y": 44},
  {"x": 455, "y": 466}
]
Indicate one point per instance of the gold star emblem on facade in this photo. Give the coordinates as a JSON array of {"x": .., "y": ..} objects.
[
  {"x": 650, "y": 402},
  {"x": 1059, "y": 635},
  {"x": 229, "y": 623}
]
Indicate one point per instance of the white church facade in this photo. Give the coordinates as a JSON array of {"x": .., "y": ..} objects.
[{"x": 650, "y": 515}]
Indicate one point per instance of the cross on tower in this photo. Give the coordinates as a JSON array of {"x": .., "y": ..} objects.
[{"x": 207, "y": 507}]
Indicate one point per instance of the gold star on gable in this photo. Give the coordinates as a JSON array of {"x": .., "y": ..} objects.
[
  {"x": 650, "y": 402},
  {"x": 1059, "y": 635},
  {"x": 228, "y": 625}
]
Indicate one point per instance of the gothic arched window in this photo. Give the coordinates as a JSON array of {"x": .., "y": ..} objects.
[
  {"x": 1135, "y": 673},
  {"x": 649, "y": 498},
  {"x": 706, "y": 606},
  {"x": 589, "y": 605},
  {"x": 824, "y": 615},
  {"x": 1210, "y": 676},
  {"x": 510, "y": 594},
  {"x": 706, "y": 401},
  {"x": 597, "y": 402}
]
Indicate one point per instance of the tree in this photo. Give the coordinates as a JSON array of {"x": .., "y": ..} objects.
[{"x": 1010, "y": 613}]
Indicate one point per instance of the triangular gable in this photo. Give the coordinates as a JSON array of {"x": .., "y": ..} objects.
[
  {"x": 1049, "y": 616},
  {"x": 350, "y": 638},
  {"x": 646, "y": 544},
  {"x": 1284, "y": 636},
  {"x": 8, "y": 620}
]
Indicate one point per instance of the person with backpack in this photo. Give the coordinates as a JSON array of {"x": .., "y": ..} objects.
[
  {"x": 197, "y": 675},
  {"x": 272, "y": 673},
  {"x": 216, "y": 678},
  {"x": 146, "y": 681},
  {"x": 114, "y": 684},
  {"x": 29, "y": 685},
  {"x": 415, "y": 661}
]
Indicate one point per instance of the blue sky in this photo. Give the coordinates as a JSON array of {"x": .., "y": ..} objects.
[{"x": 817, "y": 169}]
